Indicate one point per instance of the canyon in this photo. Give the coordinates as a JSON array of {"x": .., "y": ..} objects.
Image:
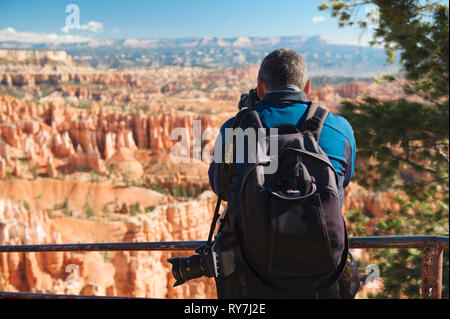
[{"x": 87, "y": 156}]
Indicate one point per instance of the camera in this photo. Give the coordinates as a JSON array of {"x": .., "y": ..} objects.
[
  {"x": 249, "y": 100},
  {"x": 210, "y": 260},
  {"x": 202, "y": 264}
]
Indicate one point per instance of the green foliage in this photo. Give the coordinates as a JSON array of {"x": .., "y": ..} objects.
[
  {"x": 191, "y": 192},
  {"x": 65, "y": 207},
  {"x": 60, "y": 176},
  {"x": 404, "y": 145},
  {"x": 88, "y": 210},
  {"x": 176, "y": 192},
  {"x": 407, "y": 142},
  {"x": 94, "y": 177},
  {"x": 26, "y": 205},
  {"x": 183, "y": 192},
  {"x": 159, "y": 189},
  {"x": 106, "y": 257},
  {"x": 356, "y": 222},
  {"x": 81, "y": 105},
  {"x": 417, "y": 31},
  {"x": 65, "y": 203},
  {"x": 106, "y": 209},
  {"x": 110, "y": 168},
  {"x": 33, "y": 170},
  {"x": 68, "y": 213},
  {"x": 400, "y": 269},
  {"x": 125, "y": 179},
  {"x": 135, "y": 209},
  {"x": 50, "y": 214}
]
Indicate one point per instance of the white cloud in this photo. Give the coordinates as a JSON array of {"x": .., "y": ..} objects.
[
  {"x": 10, "y": 34},
  {"x": 92, "y": 26},
  {"x": 318, "y": 19}
]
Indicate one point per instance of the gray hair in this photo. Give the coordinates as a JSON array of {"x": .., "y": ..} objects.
[{"x": 283, "y": 67}]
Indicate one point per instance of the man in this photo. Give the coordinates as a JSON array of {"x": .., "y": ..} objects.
[
  {"x": 281, "y": 77},
  {"x": 282, "y": 87}
]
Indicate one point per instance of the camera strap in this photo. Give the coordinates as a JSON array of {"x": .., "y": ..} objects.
[{"x": 214, "y": 222}]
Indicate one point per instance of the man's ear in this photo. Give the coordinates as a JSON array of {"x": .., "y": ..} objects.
[
  {"x": 261, "y": 88},
  {"x": 307, "y": 87}
]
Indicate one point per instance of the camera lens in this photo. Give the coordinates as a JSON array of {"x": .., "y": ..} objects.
[{"x": 184, "y": 269}]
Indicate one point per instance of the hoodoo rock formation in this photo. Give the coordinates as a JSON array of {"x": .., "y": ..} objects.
[
  {"x": 143, "y": 274},
  {"x": 35, "y": 80},
  {"x": 86, "y": 139}
]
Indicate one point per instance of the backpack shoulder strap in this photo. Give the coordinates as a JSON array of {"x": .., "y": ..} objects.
[
  {"x": 228, "y": 147},
  {"x": 245, "y": 118},
  {"x": 314, "y": 119}
]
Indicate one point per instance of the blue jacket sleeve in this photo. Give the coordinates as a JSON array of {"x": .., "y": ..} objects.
[{"x": 350, "y": 157}]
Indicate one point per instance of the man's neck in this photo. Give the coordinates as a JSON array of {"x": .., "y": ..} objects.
[
  {"x": 285, "y": 95},
  {"x": 289, "y": 87}
]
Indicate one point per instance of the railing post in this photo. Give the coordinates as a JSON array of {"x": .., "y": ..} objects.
[{"x": 432, "y": 261}]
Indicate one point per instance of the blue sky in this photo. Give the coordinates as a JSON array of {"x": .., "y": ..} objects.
[{"x": 120, "y": 19}]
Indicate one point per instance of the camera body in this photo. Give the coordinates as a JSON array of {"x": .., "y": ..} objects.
[
  {"x": 249, "y": 100},
  {"x": 216, "y": 260}
]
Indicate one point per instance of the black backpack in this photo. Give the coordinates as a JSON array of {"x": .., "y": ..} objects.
[{"x": 289, "y": 238}]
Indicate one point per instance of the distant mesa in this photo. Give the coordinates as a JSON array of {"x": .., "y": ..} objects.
[
  {"x": 39, "y": 61},
  {"x": 35, "y": 56},
  {"x": 323, "y": 57}
]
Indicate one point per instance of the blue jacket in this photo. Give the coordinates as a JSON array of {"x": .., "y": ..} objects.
[{"x": 287, "y": 106}]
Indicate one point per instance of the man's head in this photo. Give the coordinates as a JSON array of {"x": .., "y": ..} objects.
[{"x": 282, "y": 67}]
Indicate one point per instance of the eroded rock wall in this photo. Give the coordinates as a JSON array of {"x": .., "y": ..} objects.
[{"x": 142, "y": 274}]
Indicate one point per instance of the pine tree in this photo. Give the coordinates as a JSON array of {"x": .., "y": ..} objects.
[{"x": 403, "y": 145}]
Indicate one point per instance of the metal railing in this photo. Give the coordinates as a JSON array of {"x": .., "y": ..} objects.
[{"x": 432, "y": 257}]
